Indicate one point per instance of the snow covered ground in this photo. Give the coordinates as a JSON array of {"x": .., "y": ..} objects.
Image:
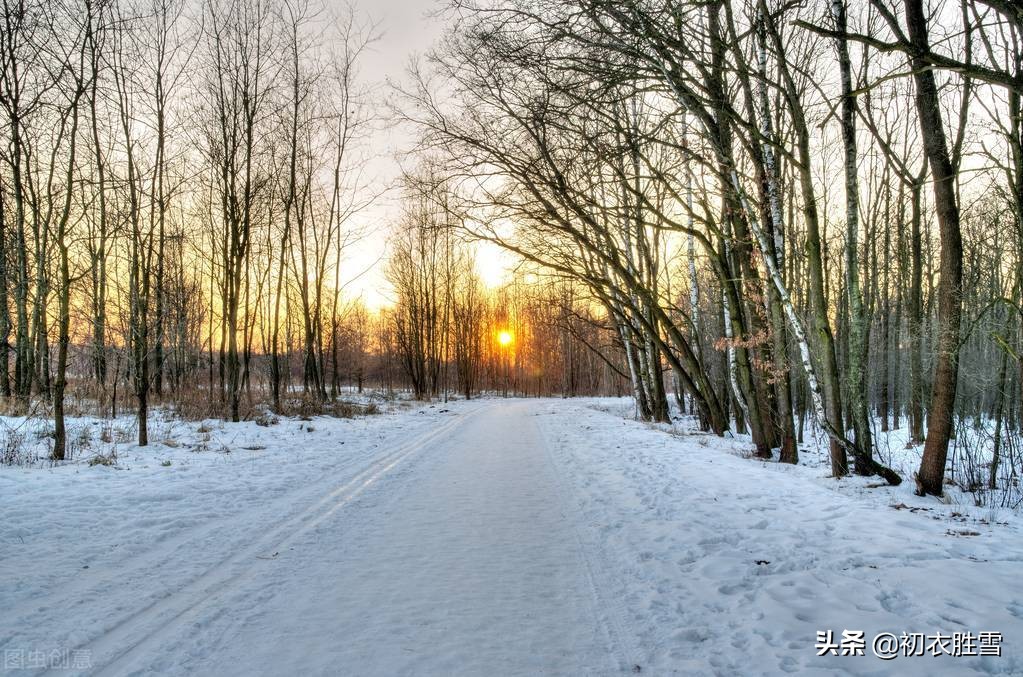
[{"x": 494, "y": 537}]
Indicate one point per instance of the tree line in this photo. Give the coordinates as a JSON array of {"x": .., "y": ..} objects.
[
  {"x": 180, "y": 184},
  {"x": 783, "y": 209},
  {"x": 533, "y": 335},
  {"x": 178, "y": 177}
]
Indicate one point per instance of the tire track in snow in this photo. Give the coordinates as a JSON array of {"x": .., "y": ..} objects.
[
  {"x": 141, "y": 628},
  {"x": 619, "y": 635},
  {"x": 139, "y": 566}
]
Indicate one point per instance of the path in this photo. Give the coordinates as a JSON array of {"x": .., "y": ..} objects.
[{"x": 450, "y": 556}]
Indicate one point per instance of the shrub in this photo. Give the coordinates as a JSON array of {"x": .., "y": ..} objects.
[
  {"x": 267, "y": 419},
  {"x": 79, "y": 441},
  {"x": 196, "y": 405},
  {"x": 104, "y": 459},
  {"x": 45, "y": 432},
  {"x": 13, "y": 450},
  {"x": 305, "y": 407}
]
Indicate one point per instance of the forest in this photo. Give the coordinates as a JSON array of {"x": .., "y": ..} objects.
[{"x": 788, "y": 219}]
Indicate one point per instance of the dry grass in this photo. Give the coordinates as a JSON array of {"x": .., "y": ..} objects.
[
  {"x": 26, "y": 443},
  {"x": 305, "y": 407},
  {"x": 12, "y": 406},
  {"x": 267, "y": 419},
  {"x": 194, "y": 404},
  {"x": 104, "y": 459},
  {"x": 14, "y": 450}
]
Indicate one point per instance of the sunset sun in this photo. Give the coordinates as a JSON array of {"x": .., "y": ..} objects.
[{"x": 505, "y": 337}]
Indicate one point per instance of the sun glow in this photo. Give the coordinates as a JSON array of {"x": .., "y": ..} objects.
[
  {"x": 505, "y": 337},
  {"x": 493, "y": 264}
]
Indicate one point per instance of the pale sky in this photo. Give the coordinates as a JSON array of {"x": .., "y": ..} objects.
[{"x": 405, "y": 31}]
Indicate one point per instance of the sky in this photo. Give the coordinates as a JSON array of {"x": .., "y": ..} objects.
[{"x": 405, "y": 30}]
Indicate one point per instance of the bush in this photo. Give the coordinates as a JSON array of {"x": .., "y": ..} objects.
[
  {"x": 46, "y": 432},
  {"x": 196, "y": 405},
  {"x": 104, "y": 459},
  {"x": 346, "y": 409},
  {"x": 304, "y": 407},
  {"x": 12, "y": 406},
  {"x": 79, "y": 441},
  {"x": 13, "y": 450},
  {"x": 267, "y": 419}
]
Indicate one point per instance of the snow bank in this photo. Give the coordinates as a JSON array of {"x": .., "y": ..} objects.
[{"x": 724, "y": 564}]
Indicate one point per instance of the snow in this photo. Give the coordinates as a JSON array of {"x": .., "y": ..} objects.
[{"x": 511, "y": 537}]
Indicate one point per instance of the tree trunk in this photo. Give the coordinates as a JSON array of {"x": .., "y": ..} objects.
[
  {"x": 930, "y": 479},
  {"x": 858, "y": 326}
]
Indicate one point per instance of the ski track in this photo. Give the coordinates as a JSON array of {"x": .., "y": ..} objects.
[
  {"x": 145, "y": 628},
  {"x": 138, "y": 567},
  {"x": 453, "y": 565},
  {"x": 605, "y": 592}
]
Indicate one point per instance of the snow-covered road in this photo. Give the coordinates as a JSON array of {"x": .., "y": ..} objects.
[
  {"x": 499, "y": 537},
  {"x": 441, "y": 548},
  {"x": 454, "y": 557}
]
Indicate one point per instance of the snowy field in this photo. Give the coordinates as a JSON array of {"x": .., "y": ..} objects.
[{"x": 493, "y": 537}]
